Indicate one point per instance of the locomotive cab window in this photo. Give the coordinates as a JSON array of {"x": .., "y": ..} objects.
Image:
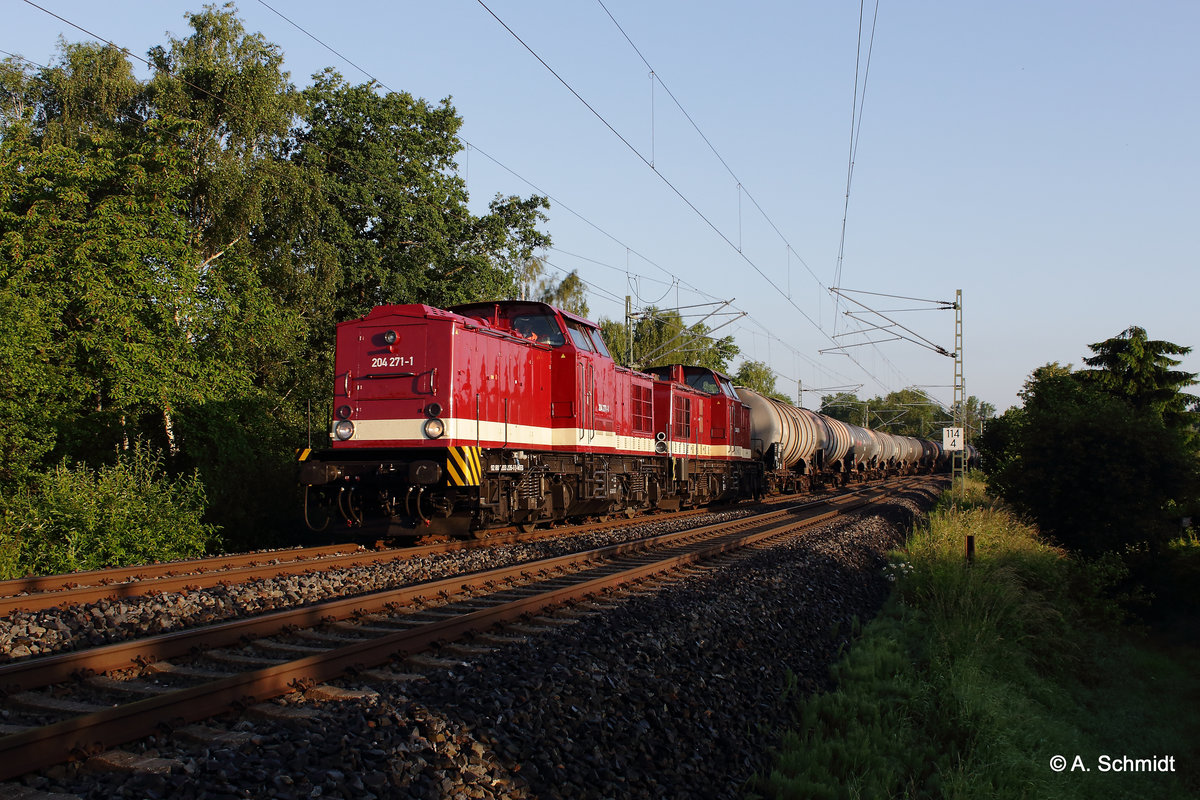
[
  {"x": 702, "y": 380},
  {"x": 704, "y": 383},
  {"x": 538, "y": 328}
]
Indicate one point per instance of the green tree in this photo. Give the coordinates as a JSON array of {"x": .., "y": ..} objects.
[
  {"x": 570, "y": 293},
  {"x": 1096, "y": 471},
  {"x": 907, "y": 412},
  {"x": 402, "y": 226},
  {"x": 1141, "y": 371},
  {"x": 845, "y": 406},
  {"x": 89, "y": 240},
  {"x": 661, "y": 337},
  {"x": 758, "y": 376},
  {"x": 175, "y": 253}
]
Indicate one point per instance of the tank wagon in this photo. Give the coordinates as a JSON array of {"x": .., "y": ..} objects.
[
  {"x": 514, "y": 413},
  {"x": 802, "y": 450}
]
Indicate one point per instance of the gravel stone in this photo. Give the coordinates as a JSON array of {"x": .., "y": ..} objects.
[{"x": 673, "y": 692}]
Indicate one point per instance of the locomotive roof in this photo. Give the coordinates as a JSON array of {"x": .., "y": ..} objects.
[
  {"x": 718, "y": 373},
  {"x": 461, "y": 308}
]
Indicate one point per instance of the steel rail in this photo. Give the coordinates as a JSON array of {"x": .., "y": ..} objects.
[
  {"x": 38, "y": 748},
  {"x": 146, "y": 576},
  {"x": 31, "y": 673},
  {"x": 41, "y": 747},
  {"x": 131, "y": 582}
]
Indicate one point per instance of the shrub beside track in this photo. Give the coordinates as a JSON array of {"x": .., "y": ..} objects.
[{"x": 973, "y": 678}]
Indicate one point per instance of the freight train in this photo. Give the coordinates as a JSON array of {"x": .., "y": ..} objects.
[{"x": 454, "y": 421}]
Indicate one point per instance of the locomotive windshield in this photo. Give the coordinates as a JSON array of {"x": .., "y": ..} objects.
[
  {"x": 538, "y": 328},
  {"x": 702, "y": 379},
  {"x": 533, "y": 321}
]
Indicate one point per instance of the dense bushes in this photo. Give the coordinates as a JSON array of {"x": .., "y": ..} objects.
[
  {"x": 1103, "y": 460},
  {"x": 974, "y": 676},
  {"x": 76, "y": 518},
  {"x": 1096, "y": 473}
]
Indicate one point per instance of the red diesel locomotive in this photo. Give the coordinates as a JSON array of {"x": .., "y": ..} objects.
[{"x": 489, "y": 414}]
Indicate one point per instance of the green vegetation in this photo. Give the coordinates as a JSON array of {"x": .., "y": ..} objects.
[
  {"x": 174, "y": 256},
  {"x": 76, "y": 518},
  {"x": 908, "y": 412},
  {"x": 757, "y": 375},
  {"x": 974, "y": 677},
  {"x": 661, "y": 336},
  {"x": 1103, "y": 460}
]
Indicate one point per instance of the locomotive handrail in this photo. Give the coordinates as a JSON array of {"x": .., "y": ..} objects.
[
  {"x": 592, "y": 399},
  {"x": 582, "y": 399},
  {"x": 389, "y": 375}
]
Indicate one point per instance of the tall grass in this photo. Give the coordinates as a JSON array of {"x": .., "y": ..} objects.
[{"x": 974, "y": 675}]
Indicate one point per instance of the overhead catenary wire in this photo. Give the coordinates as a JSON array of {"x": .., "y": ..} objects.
[
  {"x": 676, "y": 280},
  {"x": 657, "y": 78},
  {"x": 374, "y": 178},
  {"x": 128, "y": 53},
  {"x": 687, "y": 201},
  {"x": 856, "y": 115}
]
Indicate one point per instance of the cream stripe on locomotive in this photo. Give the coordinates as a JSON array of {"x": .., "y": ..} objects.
[{"x": 515, "y": 436}]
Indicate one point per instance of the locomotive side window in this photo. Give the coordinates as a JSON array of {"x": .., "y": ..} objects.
[
  {"x": 598, "y": 340},
  {"x": 643, "y": 409},
  {"x": 579, "y": 336},
  {"x": 683, "y": 418}
]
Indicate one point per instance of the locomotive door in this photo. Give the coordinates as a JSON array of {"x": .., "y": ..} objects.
[
  {"x": 595, "y": 389},
  {"x": 587, "y": 399}
]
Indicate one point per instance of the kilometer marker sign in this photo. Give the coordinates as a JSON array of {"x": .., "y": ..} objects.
[{"x": 952, "y": 439}]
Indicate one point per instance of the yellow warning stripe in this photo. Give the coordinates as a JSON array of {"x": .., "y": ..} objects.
[
  {"x": 302, "y": 455},
  {"x": 462, "y": 466}
]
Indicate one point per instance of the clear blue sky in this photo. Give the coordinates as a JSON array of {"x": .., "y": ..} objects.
[{"x": 1041, "y": 156}]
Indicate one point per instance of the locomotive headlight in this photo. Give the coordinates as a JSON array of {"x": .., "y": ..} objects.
[
  {"x": 433, "y": 409},
  {"x": 389, "y": 338},
  {"x": 343, "y": 430},
  {"x": 434, "y": 428},
  {"x": 343, "y": 412}
]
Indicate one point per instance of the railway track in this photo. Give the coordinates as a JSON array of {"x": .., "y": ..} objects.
[
  {"x": 36, "y": 593},
  {"x": 125, "y": 691}
]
